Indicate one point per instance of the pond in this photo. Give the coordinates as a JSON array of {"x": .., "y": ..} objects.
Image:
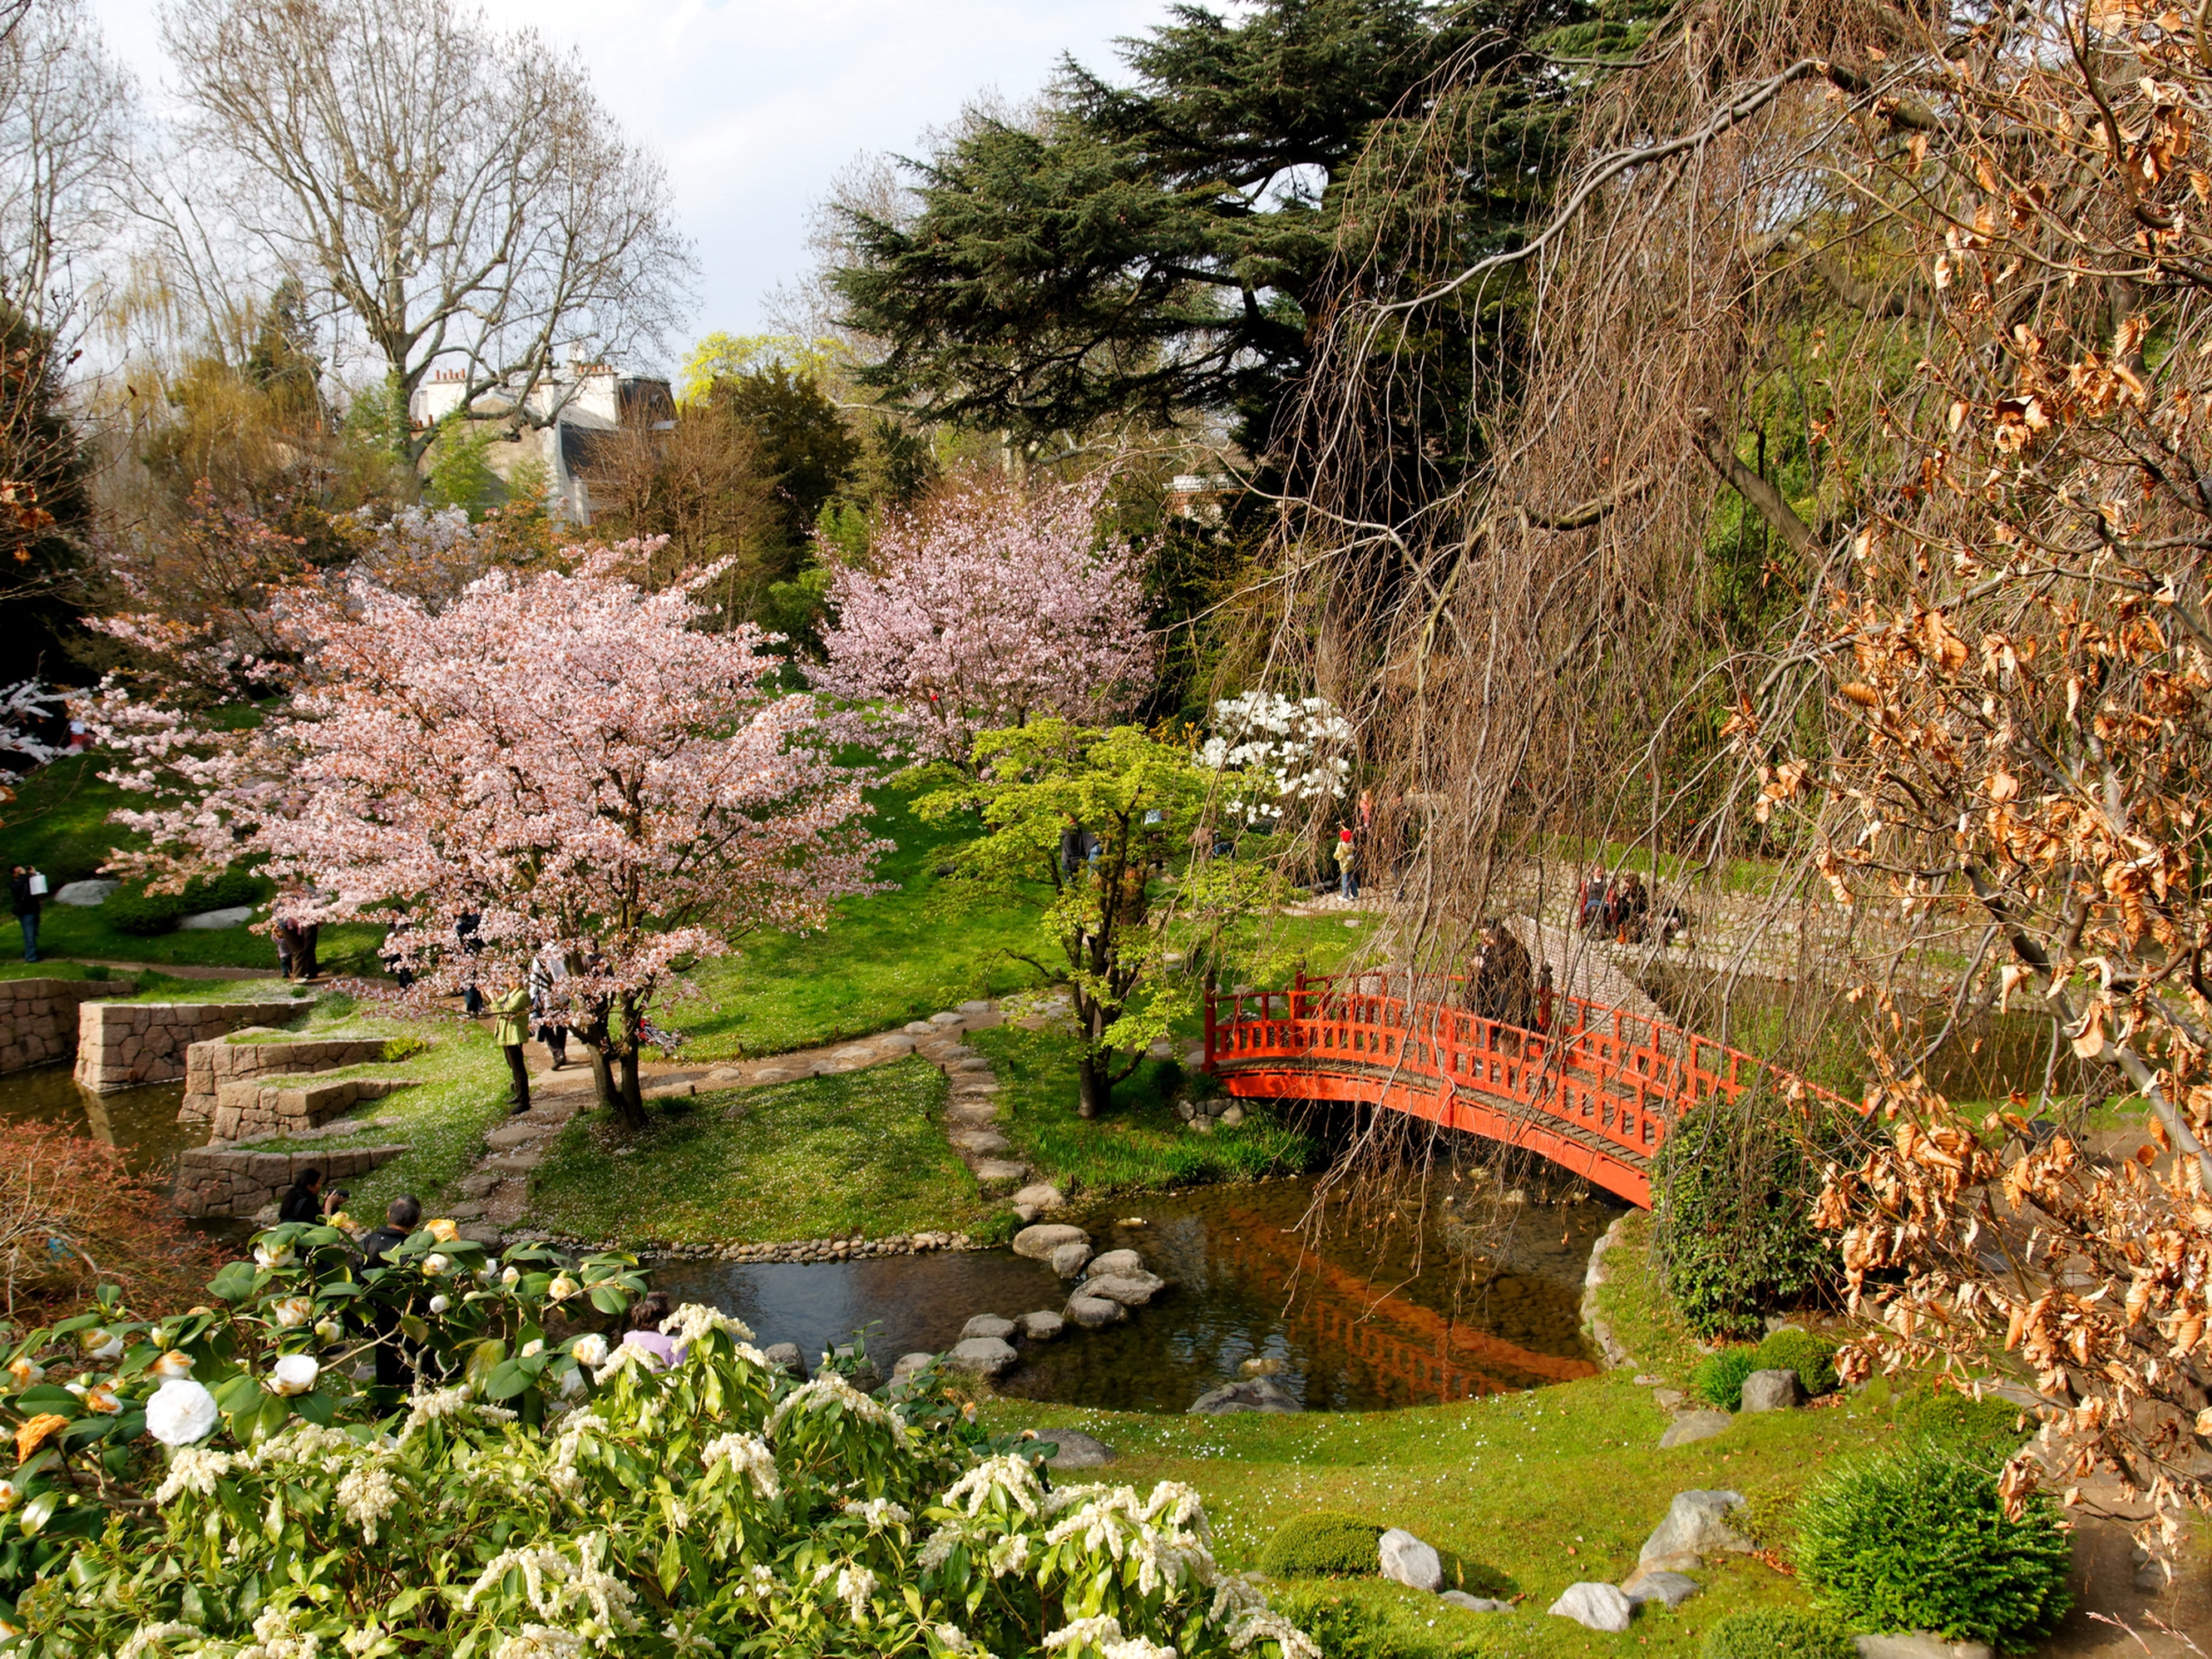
[
  {"x": 142, "y": 1122},
  {"x": 1357, "y": 1326}
]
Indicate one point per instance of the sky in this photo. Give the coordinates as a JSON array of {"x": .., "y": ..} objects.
[{"x": 756, "y": 105}]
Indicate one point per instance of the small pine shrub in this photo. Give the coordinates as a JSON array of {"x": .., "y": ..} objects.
[
  {"x": 139, "y": 914},
  {"x": 1325, "y": 1544},
  {"x": 1813, "y": 1358},
  {"x": 1918, "y": 1540},
  {"x": 1778, "y": 1633},
  {"x": 1719, "y": 1378}
]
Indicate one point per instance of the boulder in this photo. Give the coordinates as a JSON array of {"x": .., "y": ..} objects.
[
  {"x": 1254, "y": 1394},
  {"x": 1467, "y": 1603},
  {"x": 1117, "y": 1264},
  {"x": 1070, "y": 1260},
  {"x": 1041, "y": 1195},
  {"x": 998, "y": 1173},
  {"x": 86, "y": 894},
  {"x": 1697, "y": 1524},
  {"x": 1042, "y": 1326},
  {"x": 863, "y": 1375},
  {"x": 233, "y": 915},
  {"x": 1645, "y": 1584},
  {"x": 1595, "y": 1607},
  {"x": 986, "y": 1356},
  {"x": 1095, "y": 1312},
  {"x": 909, "y": 1364},
  {"x": 1129, "y": 1292},
  {"x": 1232, "y": 1116},
  {"x": 1919, "y": 1644},
  {"x": 787, "y": 1357},
  {"x": 1773, "y": 1391},
  {"x": 1407, "y": 1560},
  {"x": 1076, "y": 1451},
  {"x": 1692, "y": 1426},
  {"x": 988, "y": 1325},
  {"x": 1038, "y": 1242}
]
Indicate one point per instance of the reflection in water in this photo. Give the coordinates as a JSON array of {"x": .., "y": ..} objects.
[
  {"x": 141, "y": 1121},
  {"x": 1354, "y": 1327}
]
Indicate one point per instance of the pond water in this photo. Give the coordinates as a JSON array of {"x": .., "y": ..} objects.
[
  {"x": 1385, "y": 1314},
  {"x": 142, "y": 1122}
]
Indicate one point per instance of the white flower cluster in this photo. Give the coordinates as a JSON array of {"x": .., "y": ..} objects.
[
  {"x": 540, "y": 1642},
  {"x": 192, "y": 1468},
  {"x": 855, "y": 1584},
  {"x": 1152, "y": 1532},
  {"x": 1271, "y": 748},
  {"x": 558, "y": 1587},
  {"x": 830, "y": 1389},
  {"x": 441, "y": 1403},
  {"x": 1007, "y": 1475},
  {"x": 953, "y": 1640},
  {"x": 695, "y": 1319},
  {"x": 275, "y": 1639},
  {"x": 366, "y": 1495},
  {"x": 148, "y": 1639},
  {"x": 878, "y": 1513},
  {"x": 749, "y": 1456},
  {"x": 1103, "y": 1635}
]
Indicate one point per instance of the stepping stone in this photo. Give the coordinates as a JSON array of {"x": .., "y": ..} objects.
[
  {"x": 986, "y": 1356},
  {"x": 988, "y": 1325},
  {"x": 476, "y": 1183},
  {"x": 895, "y": 1043},
  {"x": 1467, "y": 1603},
  {"x": 975, "y": 1007},
  {"x": 909, "y": 1364},
  {"x": 517, "y": 1163},
  {"x": 1070, "y": 1260},
  {"x": 921, "y": 1027},
  {"x": 669, "y": 1091},
  {"x": 468, "y": 1210},
  {"x": 1118, "y": 1264},
  {"x": 1254, "y": 1393},
  {"x": 1042, "y": 1326},
  {"x": 786, "y": 1355},
  {"x": 989, "y": 1020},
  {"x": 1692, "y": 1426},
  {"x": 942, "y": 1021},
  {"x": 1094, "y": 1313},
  {"x": 1645, "y": 1585},
  {"x": 1130, "y": 1292},
  {"x": 984, "y": 1143},
  {"x": 780, "y": 1074},
  {"x": 514, "y": 1134},
  {"x": 483, "y": 1233},
  {"x": 858, "y": 1051},
  {"x": 972, "y": 1114},
  {"x": 1038, "y": 1242},
  {"x": 998, "y": 1172},
  {"x": 1041, "y": 1195}
]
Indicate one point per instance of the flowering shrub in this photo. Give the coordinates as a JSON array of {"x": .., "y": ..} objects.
[
  {"x": 543, "y": 1503},
  {"x": 1274, "y": 752}
]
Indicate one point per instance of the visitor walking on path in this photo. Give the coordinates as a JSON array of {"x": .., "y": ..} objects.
[
  {"x": 27, "y": 887},
  {"x": 511, "y": 1031},
  {"x": 1347, "y": 865},
  {"x": 548, "y": 968}
]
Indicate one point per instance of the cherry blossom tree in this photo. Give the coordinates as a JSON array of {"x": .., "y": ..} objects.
[
  {"x": 986, "y": 610},
  {"x": 563, "y": 755}
]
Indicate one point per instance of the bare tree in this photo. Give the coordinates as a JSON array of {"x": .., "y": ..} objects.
[
  {"x": 453, "y": 196},
  {"x": 66, "y": 114}
]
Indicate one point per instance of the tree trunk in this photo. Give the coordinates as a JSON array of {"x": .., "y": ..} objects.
[
  {"x": 1094, "y": 1084},
  {"x": 630, "y": 1095}
]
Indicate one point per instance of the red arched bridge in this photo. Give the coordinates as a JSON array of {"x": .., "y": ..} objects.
[{"x": 1594, "y": 1092}]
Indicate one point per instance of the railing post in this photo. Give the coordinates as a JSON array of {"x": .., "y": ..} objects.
[{"x": 1210, "y": 987}]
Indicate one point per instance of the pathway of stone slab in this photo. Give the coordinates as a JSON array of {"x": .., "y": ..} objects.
[{"x": 495, "y": 1194}]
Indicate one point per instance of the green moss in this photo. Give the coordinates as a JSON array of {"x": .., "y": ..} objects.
[
  {"x": 1636, "y": 1309},
  {"x": 861, "y": 1151}
]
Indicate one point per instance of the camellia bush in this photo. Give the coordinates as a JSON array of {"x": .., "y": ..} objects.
[{"x": 530, "y": 1498}]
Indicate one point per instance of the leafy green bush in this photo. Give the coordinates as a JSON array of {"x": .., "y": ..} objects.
[
  {"x": 1777, "y": 1633},
  {"x": 232, "y": 888},
  {"x": 1918, "y": 1540},
  {"x": 1344, "y": 1629},
  {"x": 1719, "y": 1378},
  {"x": 1981, "y": 1432},
  {"x": 1733, "y": 1188},
  {"x": 1813, "y": 1358},
  {"x": 141, "y": 915},
  {"x": 1326, "y": 1544}
]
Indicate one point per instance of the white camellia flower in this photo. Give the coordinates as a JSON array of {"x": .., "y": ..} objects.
[
  {"x": 534, "y": 1345},
  {"x": 101, "y": 1399},
  {"x": 294, "y": 1311},
  {"x": 181, "y": 1413},
  {"x": 25, "y": 1371},
  {"x": 590, "y": 1349},
  {"x": 294, "y": 1373},
  {"x": 444, "y": 1231},
  {"x": 7, "y": 1495},
  {"x": 438, "y": 1304},
  {"x": 265, "y": 1256},
  {"x": 562, "y": 1288},
  {"x": 437, "y": 1264},
  {"x": 328, "y": 1329},
  {"x": 176, "y": 1363},
  {"x": 511, "y": 1277},
  {"x": 101, "y": 1344}
]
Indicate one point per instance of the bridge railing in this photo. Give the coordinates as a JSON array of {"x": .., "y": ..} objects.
[{"x": 1619, "y": 1077}]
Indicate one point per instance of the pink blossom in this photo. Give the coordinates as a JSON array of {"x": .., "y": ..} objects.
[{"x": 992, "y": 609}]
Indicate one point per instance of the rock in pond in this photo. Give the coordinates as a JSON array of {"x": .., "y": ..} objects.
[
  {"x": 1070, "y": 1260},
  {"x": 1467, "y": 1603},
  {"x": 786, "y": 1355},
  {"x": 1129, "y": 1292},
  {"x": 1692, "y": 1426},
  {"x": 1042, "y": 1326},
  {"x": 1407, "y": 1560},
  {"x": 988, "y": 1325},
  {"x": 986, "y": 1356},
  {"x": 1646, "y": 1585},
  {"x": 1256, "y": 1394},
  {"x": 909, "y": 1364},
  {"x": 1697, "y": 1524},
  {"x": 1117, "y": 1264},
  {"x": 1095, "y": 1312},
  {"x": 1771, "y": 1391},
  {"x": 1595, "y": 1607},
  {"x": 1041, "y": 1195},
  {"x": 1076, "y": 1450},
  {"x": 1039, "y": 1242}
]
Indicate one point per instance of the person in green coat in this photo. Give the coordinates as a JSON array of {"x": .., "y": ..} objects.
[{"x": 511, "y": 1030}]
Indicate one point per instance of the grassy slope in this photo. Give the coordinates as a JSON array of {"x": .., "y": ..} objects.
[
  {"x": 825, "y": 1155},
  {"x": 1509, "y": 1484}
]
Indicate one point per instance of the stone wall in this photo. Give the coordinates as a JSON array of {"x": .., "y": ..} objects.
[
  {"x": 38, "y": 1018},
  {"x": 219, "y": 1060},
  {"x": 259, "y": 1111},
  {"x": 126, "y": 1045},
  {"x": 218, "y": 1180}
]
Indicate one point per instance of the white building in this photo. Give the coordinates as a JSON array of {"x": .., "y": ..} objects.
[{"x": 572, "y": 412}]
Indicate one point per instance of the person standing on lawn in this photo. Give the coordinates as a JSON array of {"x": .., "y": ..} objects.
[
  {"x": 511, "y": 1030},
  {"x": 27, "y": 888},
  {"x": 1347, "y": 866}
]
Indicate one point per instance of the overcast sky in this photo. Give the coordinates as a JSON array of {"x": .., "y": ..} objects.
[{"x": 756, "y": 104}]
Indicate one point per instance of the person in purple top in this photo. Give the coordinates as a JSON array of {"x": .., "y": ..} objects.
[{"x": 645, "y": 1317}]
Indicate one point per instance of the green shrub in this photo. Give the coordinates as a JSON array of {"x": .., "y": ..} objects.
[
  {"x": 1344, "y": 1629},
  {"x": 1980, "y": 1432},
  {"x": 1325, "y": 1544},
  {"x": 1778, "y": 1633},
  {"x": 1719, "y": 1379},
  {"x": 234, "y": 887},
  {"x": 1734, "y": 1189},
  {"x": 1918, "y": 1540},
  {"x": 1813, "y": 1358},
  {"x": 141, "y": 914}
]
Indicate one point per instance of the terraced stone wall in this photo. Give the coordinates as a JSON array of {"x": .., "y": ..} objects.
[
  {"x": 127, "y": 1045},
  {"x": 38, "y": 1018}
]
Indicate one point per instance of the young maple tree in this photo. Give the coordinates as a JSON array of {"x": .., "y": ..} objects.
[
  {"x": 563, "y": 755},
  {"x": 987, "y": 609},
  {"x": 1146, "y": 802}
]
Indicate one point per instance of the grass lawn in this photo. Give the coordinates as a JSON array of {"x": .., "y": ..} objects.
[
  {"x": 1140, "y": 1144},
  {"x": 860, "y": 1151}
]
